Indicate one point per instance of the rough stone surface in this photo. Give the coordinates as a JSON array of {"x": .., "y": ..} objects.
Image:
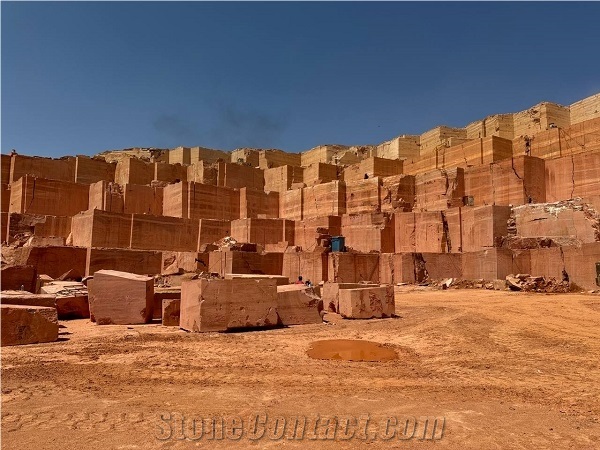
[
  {"x": 121, "y": 298},
  {"x": 297, "y": 305},
  {"x": 28, "y": 324},
  {"x": 220, "y": 305},
  {"x": 367, "y": 303}
]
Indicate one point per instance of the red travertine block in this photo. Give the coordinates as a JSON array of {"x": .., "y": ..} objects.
[
  {"x": 453, "y": 226},
  {"x": 386, "y": 268},
  {"x": 220, "y": 305},
  {"x": 492, "y": 264},
  {"x": 426, "y": 162},
  {"x": 53, "y": 260},
  {"x": 170, "y": 173},
  {"x": 235, "y": 175},
  {"x": 171, "y": 309},
  {"x": 479, "y": 184},
  {"x": 203, "y": 172},
  {"x": 441, "y": 136},
  {"x": 180, "y": 262},
  {"x": 430, "y": 234},
  {"x": 276, "y": 158},
  {"x": 369, "y": 232},
  {"x": 353, "y": 267},
  {"x": 188, "y": 155},
  {"x": 521, "y": 261},
  {"x": 134, "y": 171},
  {"x": 363, "y": 196},
  {"x": 53, "y": 226},
  {"x": 558, "y": 142},
  {"x": 33, "y": 195},
  {"x": 463, "y": 155},
  {"x": 397, "y": 193},
  {"x": 223, "y": 262},
  {"x": 245, "y": 156},
  {"x": 138, "y": 199},
  {"x": 405, "y": 234},
  {"x": 573, "y": 176},
  {"x": 328, "y": 199},
  {"x": 438, "y": 266},
  {"x": 298, "y": 305},
  {"x": 162, "y": 294},
  {"x": 39, "y": 225},
  {"x": 518, "y": 181},
  {"x": 439, "y": 189},
  {"x": 134, "y": 261},
  {"x": 514, "y": 181},
  {"x": 62, "y": 169},
  {"x": 121, "y": 298},
  {"x": 373, "y": 167},
  {"x": 106, "y": 196},
  {"x": 495, "y": 148},
  {"x": 280, "y": 179},
  {"x": 309, "y": 232},
  {"x": 18, "y": 277},
  {"x": 291, "y": 204},
  {"x": 23, "y": 325},
  {"x": 547, "y": 262},
  {"x": 405, "y": 268},
  {"x": 400, "y": 147},
  {"x": 580, "y": 264},
  {"x": 212, "y": 230},
  {"x": 331, "y": 293},
  {"x": 95, "y": 228},
  {"x": 367, "y": 303},
  {"x": 310, "y": 266},
  {"x": 263, "y": 231},
  {"x": 164, "y": 233},
  {"x": 71, "y": 299},
  {"x": 201, "y": 201},
  {"x": 11, "y": 297},
  {"x": 318, "y": 173},
  {"x": 483, "y": 226},
  {"x": 91, "y": 170},
  {"x": 572, "y": 219},
  {"x": 258, "y": 204}
]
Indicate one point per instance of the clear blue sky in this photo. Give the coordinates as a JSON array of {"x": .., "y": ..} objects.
[{"x": 79, "y": 78}]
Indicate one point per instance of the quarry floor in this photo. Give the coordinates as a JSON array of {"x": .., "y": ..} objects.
[{"x": 505, "y": 370}]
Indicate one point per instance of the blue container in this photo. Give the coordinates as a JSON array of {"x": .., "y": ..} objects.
[{"x": 338, "y": 244}]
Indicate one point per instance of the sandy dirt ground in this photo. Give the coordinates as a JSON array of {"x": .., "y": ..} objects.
[{"x": 499, "y": 370}]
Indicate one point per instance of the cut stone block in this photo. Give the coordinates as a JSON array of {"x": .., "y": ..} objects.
[
  {"x": 353, "y": 267},
  {"x": 297, "y": 305},
  {"x": 367, "y": 303},
  {"x": 121, "y": 298},
  {"x": 331, "y": 293},
  {"x": 134, "y": 261},
  {"x": 171, "y": 308},
  {"x": 162, "y": 294},
  {"x": 71, "y": 299},
  {"x": 28, "y": 324},
  {"x": 25, "y": 298},
  {"x": 220, "y": 305},
  {"x": 18, "y": 278},
  {"x": 223, "y": 262}
]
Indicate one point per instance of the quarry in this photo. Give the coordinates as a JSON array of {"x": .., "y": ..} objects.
[{"x": 453, "y": 274}]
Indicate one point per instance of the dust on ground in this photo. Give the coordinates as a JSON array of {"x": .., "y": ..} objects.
[{"x": 505, "y": 370}]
